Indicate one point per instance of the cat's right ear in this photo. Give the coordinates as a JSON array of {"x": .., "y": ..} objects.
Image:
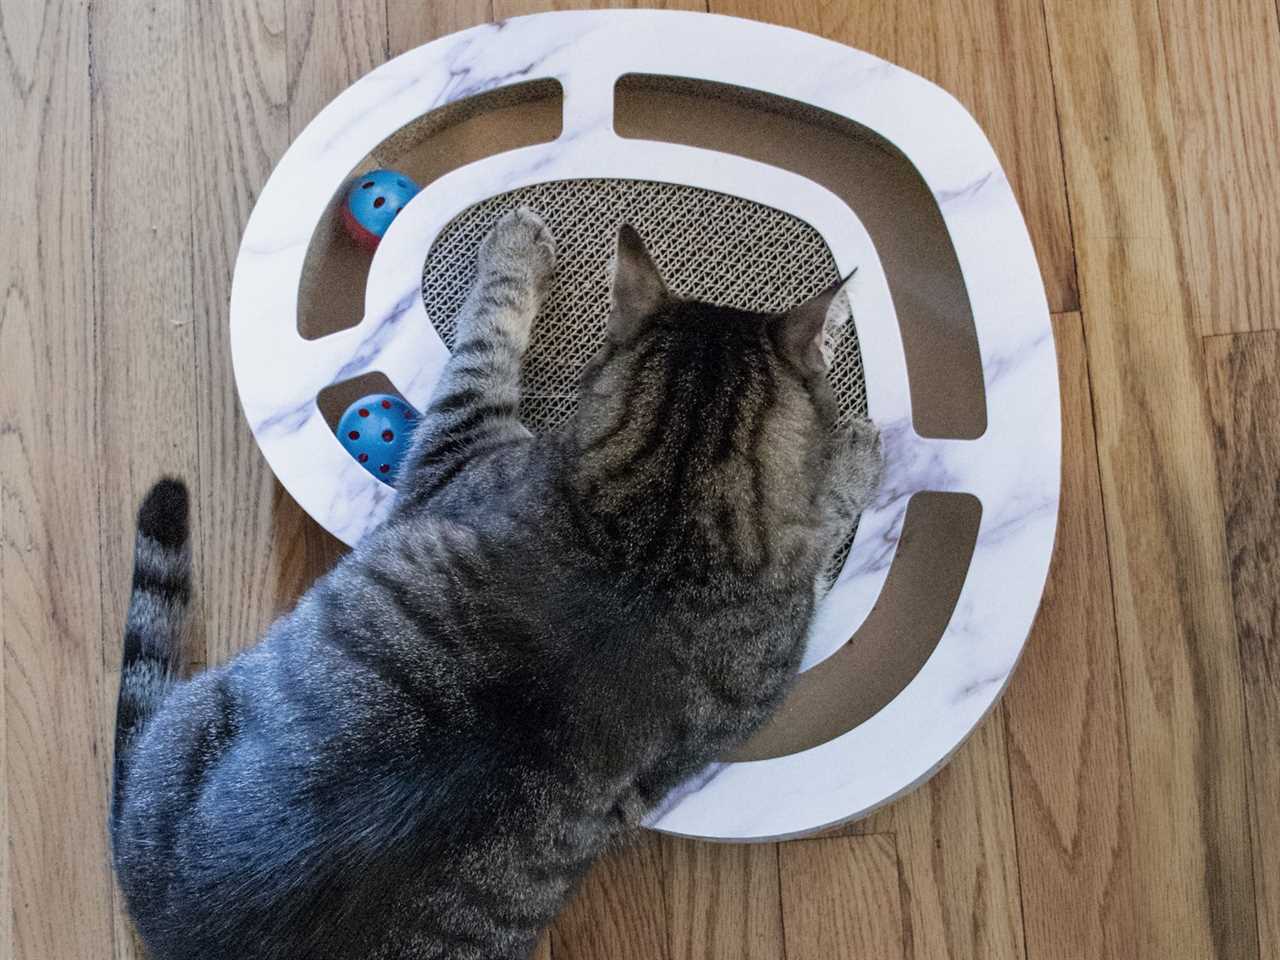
[
  {"x": 804, "y": 331},
  {"x": 638, "y": 287}
]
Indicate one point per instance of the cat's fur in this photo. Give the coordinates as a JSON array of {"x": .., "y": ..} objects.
[{"x": 545, "y": 636}]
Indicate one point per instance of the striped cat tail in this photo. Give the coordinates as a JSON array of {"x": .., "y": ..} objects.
[{"x": 157, "y": 613}]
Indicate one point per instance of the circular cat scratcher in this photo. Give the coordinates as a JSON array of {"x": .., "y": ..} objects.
[{"x": 759, "y": 163}]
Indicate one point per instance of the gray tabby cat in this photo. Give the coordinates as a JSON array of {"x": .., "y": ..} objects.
[{"x": 544, "y": 637}]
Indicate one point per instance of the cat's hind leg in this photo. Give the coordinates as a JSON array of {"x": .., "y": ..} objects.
[{"x": 474, "y": 409}]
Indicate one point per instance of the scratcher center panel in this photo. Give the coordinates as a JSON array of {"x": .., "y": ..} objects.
[{"x": 709, "y": 246}]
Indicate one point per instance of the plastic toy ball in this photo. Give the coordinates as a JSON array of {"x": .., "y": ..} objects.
[
  {"x": 372, "y": 203},
  {"x": 376, "y": 430}
]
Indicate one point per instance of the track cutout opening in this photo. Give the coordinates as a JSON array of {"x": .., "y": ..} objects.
[
  {"x": 901, "y": 632},
  {"x": 879, "y": 184},
  {"x": 331, "y": 295}
]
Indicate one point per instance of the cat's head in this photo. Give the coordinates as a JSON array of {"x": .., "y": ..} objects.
[{"x": 684, "y": 387}]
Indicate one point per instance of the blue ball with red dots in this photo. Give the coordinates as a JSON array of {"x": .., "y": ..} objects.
[
  {"x": 376, "y": 430},
  {"x": 372, "y": 202}
]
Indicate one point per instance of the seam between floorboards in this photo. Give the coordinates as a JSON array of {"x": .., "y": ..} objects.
[
  {"x": 1242, "y": 334},
  {"x": 1255, "y": 847},
  {"x": 782, "y": 908},
  {"x": 112, "y": 899},
  {"x": 1013, "y": 817},
  {"x": 1121, "y": 673},
  {"x": 1062, "y": 158}
]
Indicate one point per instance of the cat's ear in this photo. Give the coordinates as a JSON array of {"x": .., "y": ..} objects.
[
  {"x": 638, "y": 288},
  {"x": 805, "y": 331}
]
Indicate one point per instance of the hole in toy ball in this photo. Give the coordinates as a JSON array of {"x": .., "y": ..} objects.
[
  {"x": 363, "y": 458},
  {"x": 385, "y": 468},
  {"x": 388, "y": 436},
  {"x": 403, "y": 184},
  {"x": 386, "y": 404},
  {"x": 366, "y": 185},
  {"x": 379, "y": 201},
  {"x": 363, "y": 412},
  {"x": 354, "y": 434}
]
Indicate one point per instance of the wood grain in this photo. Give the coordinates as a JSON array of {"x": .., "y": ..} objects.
[
  {"x": 142, "y": 276},
  {"x": 411, "y": 23},
  {"x": 1179, "y": 658},
  {"x": 517, "y": 8},
  {"x": 957, "y": 854},
  {"x": 620, "y": 910},
  {"x": 979, "y": 51},
  {"x": 6, "y": 877},
  {"x": 258, "y": 549},
  {"x": 1064, "y": 719},
  {"x": 331, "y": 45},
  {"x": 143, "y": 299},
  {"x": 1224, "y": 71},
  {"x": 1246, "y": 408},
  {"x": 57, "y": 888},
  {"x": 840, "y": 899},
  {"x": 723, "y": 901}
]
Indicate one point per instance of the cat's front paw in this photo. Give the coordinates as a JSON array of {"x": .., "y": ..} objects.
[
  {"x": 860, "y": 463},
  {"x": 520, "y": 247}
]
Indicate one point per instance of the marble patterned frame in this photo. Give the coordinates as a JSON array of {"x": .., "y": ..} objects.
[{"x": 1013, "y": 468}]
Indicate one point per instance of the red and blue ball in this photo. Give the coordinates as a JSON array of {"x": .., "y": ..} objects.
[{"x": 372, "y": 202}]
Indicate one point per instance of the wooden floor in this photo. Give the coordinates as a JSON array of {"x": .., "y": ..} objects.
[{"x": 1124, "y": 801}]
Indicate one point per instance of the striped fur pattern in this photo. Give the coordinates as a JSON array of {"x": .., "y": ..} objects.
[
  {"x": 156, "y": 617},
  {"x": 422, "y": 759}
]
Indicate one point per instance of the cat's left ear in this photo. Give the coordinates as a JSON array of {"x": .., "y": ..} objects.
[
  {"x": 803, "y": 332},
  {"x": 638, "y": 288}
]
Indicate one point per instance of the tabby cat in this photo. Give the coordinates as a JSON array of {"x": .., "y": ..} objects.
[{"x": 542, "y": 639}]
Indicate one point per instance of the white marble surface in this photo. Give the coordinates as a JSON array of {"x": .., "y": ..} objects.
[{"x": 1012, "y": 469}]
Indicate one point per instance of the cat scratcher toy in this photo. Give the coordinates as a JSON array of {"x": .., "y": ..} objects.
[{"x": 759, "y": 163}]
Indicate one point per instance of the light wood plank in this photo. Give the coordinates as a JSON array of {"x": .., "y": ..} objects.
[
  {"x": 259, "y": 550},
  {"x": 982, "y": 53},
  {"x": 1224, "y": 73},
  {"x": 1064, "y": 717},
  {"x": 618, "y": 913},
  {"x": 723, "y": 901},
  {"x": 331, "y": 45},
  {"x": 1246, "y": 409},
  {"x": 57, "y": 884},
  {"x": 840, "y": 899},
  {"x": 503, "y": 9},
  {"x": 411, "y": 23},
  {"x": 1179, "y": 659},
  {"x": 142, "y": 278},
  {"x": 6, "y": 883},
  {"x": 957, "y": 853},
  {"x": 143, "y": 302}
]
